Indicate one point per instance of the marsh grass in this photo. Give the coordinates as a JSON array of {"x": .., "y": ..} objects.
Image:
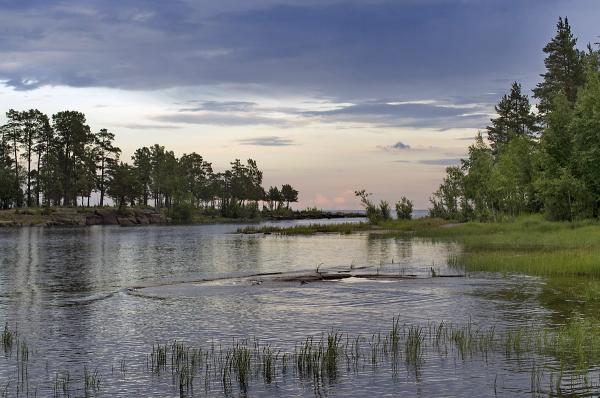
[
  {"x": 91, "y": 380},
  {"x": 340, "y": 228},
  {"x": 528, "y": 245},
  {"x": 329, "y": 358},
  {"x": 324, "y": 360}
]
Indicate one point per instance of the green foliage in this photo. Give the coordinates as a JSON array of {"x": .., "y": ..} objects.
[
  {"x": 66, "y": 162},
  {"x": 564, "y": 68},
  {"x": 122, "y": 184},
  {"x": 373, "y": 212},
  {"x": 585, "y": 126},
  {"x": 183, "y": 213},
  {"x": 448, "y": 201},
  {"x": 288, "y": 194},
  {"x": 519, "y": 172},
  {"x": 385, "y": 211},
  {"x": 341, "y": 228},
  {"x": 565, "y": 197},
  {"x": 404, "y": 209},
  {"x": 515, "y": 119}
]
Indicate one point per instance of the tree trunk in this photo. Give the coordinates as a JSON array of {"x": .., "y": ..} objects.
[
  {"x": 16, "y": 171},
  {"x": 29, "y": 176},
  {"x": 37, "y": 185},
  {"x": 102, "y": 183}
]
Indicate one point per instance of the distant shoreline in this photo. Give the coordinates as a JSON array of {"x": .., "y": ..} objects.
[{"x": 88, "y": 216}]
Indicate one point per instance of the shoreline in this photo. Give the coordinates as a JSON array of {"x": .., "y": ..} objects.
[{"x": 84, "y": 216}]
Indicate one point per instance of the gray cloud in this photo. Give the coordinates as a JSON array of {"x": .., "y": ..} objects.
[
  {"x": 267, "y": 141},
  {"x": 134, "y": 126},
  {"x": 441, "y": 162},
  {"x": 220, "y": 106},
  {"x": 433, "y": 162},
  {"x": 432, "y": 114},
  {"x": 398, "y": 146},
  {"x": 345, "y": 49},
  {"x": 221, "y": 119},
  {"x": 441, "y": 115}
]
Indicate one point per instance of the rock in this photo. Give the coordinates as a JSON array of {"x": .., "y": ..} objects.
[
  {"x": 157, "y": 218},
  {"x": 109, "y": 217},
  {"x": 142, "y": 219},
  {"x": 8, "y": 223},
  {"x": 67, "y": 222},
  {"x": 93, "y": 219},
  {"x": 124, "y": 221}
]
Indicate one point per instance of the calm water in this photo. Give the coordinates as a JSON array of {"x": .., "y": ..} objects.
[{"x": 66, "y": 290}]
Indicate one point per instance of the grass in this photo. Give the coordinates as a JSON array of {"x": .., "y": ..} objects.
[
  {"x": 416, "y": 226},
  {"x": 335, "y": 356},
  {"x": 528, "y": 245},
  {"x": 340, "y": 228}
]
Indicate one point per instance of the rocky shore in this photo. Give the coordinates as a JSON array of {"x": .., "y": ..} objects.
[{"x": 81, "y": 217}]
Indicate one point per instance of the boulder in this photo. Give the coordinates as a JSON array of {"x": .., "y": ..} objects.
[
  {"x": 109, "y": 217},
  {"x": 157, "y": 218},
  {"x": 67, "y": 222},
  {"x": 93, "y": 219},
  {"x": 125, "y": 221}
]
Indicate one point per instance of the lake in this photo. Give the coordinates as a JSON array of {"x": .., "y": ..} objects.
[{"x": 102, "y": 297}]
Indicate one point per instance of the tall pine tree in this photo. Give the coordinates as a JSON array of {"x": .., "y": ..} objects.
[
  {"x": 515, "y": 119},
  {"x": 564, "y": 68}
]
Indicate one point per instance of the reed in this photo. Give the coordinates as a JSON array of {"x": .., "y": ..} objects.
[{"x": 329, "y": 358}]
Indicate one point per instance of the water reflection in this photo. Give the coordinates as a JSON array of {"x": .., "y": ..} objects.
[{"x": 67, "y": 291}]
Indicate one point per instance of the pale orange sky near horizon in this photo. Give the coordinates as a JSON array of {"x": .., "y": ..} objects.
[{"x": 325, "y": 161}]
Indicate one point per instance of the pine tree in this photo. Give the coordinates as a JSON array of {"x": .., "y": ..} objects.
[
  {"x": 515, "y": 119},
  {"x": 564, "y": 68},
  {"x": 106, "y": 154}
]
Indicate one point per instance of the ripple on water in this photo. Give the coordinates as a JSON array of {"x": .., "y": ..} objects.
[{"x": 67, "y": 290}]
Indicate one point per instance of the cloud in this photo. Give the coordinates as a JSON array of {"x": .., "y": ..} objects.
[
  {"x": 398, "y": 146},
  {"x": 417, "y": 114},
  {"x": 135, "y": 126},
  {"x": 441, "y": 162},
  {"x": 221, "y": 119},
  {"x": 433, "y": 162},
  {"x": 341, "y": 49},
  {"x": 220, "y": 106},
  {"x": 267, "y": 141}
]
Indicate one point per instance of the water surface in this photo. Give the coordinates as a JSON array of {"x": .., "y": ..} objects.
[{"x": 68, "y": 293}]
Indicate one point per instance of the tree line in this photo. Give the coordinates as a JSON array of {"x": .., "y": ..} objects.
[
  {"x": 59, "y": 161},
  {"x": 542, "y": 161}
]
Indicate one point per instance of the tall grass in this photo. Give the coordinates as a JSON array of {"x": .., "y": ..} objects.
[
  {"x": 321, "y": 361},
  {"x": 340, "y": 228},
  {"x": 528, "y": 245}
]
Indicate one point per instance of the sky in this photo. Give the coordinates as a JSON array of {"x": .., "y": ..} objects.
[{"x": 330, "y": 96}]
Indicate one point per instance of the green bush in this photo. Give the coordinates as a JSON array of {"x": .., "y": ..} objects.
[
  {"x": 182, "y": 213},
  {"x": 404, "y": 209}
]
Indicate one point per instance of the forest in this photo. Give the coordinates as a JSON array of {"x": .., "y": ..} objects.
[
  {"x": 536, "y": 159},
  {"x": 59, "y": 161}
]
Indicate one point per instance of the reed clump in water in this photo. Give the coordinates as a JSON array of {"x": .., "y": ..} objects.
[{"x": 335, "y": 356}]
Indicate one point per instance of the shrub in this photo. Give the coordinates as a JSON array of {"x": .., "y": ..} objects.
[
  {"x": 182, "y": 213},
  {"x": 385, "y": 210},
  {"x": 404, "y": 209}
]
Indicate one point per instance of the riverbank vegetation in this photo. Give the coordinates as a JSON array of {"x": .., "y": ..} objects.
[
  {"x": 59, "y": 161},
  {"x": 341, "y": 228},
  {"x": 535, "y": 162}
]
